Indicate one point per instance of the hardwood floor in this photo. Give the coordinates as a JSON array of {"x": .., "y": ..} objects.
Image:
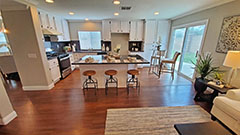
[{"x": 64, "y": 110}]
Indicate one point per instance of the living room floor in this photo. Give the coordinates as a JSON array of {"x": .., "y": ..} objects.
[{"x": 64, "y": 110}]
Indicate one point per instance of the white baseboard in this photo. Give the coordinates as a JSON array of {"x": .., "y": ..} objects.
[
  {"x": 33, "y": 88},
  {"x": 8, "y": 118}
]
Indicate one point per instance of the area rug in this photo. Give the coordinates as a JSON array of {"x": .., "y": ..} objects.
[{"x": 152, "y": 120}]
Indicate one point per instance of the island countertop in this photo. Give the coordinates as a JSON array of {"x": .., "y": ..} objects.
[{"x": 101, "y": 59}]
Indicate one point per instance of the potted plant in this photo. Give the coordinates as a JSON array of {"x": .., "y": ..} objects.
[{"x": 204, "y": 67}]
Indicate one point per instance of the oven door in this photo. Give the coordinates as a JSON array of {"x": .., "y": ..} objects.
[{"x": 65, "y": 63}]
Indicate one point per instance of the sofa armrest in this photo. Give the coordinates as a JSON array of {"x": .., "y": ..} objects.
[{"x": 234, "y": 94}]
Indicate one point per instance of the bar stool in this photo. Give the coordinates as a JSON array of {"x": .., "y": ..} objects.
[
  {"x": 90, "y": 81},
  {"x": 111, "y": 79},
  {"x": 133, "y": 80}
]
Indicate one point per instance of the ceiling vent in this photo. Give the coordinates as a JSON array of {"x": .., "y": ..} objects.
[{"x": 125, "y": 8}]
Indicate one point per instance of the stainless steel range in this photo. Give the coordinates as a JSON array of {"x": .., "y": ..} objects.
[{"x": 64, "y": 65}]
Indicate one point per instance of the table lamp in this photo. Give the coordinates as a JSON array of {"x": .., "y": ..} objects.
[{"x": 232, "y": 60}]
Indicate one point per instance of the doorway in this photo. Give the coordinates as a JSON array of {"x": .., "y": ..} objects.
[{"x": 188, "y": 40}]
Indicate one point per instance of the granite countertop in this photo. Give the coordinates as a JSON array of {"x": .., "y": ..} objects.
[
  {"x": 101, "y": 59},
  {"x": 51, "y": 57},
  {"x": 90, "y": 51}
]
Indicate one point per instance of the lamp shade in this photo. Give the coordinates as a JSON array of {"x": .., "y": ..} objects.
[{"x": 232, "y": 59}]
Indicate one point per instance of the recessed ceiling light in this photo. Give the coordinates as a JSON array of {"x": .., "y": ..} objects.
[
  {"x": 71, "y": 13},
  {"x": 86, "y": 19},
  {"x": 49, "y": 1},
  {"x": 116, "y": 2},
  {"x": 116, "y": 14},
  {"x": 156, "y": 13}
]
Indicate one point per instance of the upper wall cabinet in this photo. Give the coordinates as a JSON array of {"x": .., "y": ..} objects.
[
  {"x": 136, "y": 31},
  {"x": 55, "y": 23},
  {"x": 120, "y": 26},
  {"x": 106, "y": 30},
  {"x": 150, "y": 31},
  {"x": 66, "y": 35},
  {"x": 43, "y": 20},
  {"x": 52, "y": 23}
]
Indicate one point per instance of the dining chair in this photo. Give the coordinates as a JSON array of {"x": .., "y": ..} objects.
[{"x": 172, "y": 62}]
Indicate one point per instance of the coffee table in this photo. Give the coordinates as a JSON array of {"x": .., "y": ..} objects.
[{"x": 207, "y": 128}]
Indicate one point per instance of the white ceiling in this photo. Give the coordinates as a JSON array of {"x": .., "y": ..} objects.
[
  {"x": 10, "y": 5},
  {"x": 141, "y": 9}
]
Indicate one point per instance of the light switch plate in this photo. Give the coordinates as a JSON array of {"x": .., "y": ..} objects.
[{"x": 32, "y": 55}]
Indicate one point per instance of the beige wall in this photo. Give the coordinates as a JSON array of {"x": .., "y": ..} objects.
[
  {"x": 5, "y": 104},
  {"x": 25, "y": 37},
  {"x": 121, "y": 39},
  {"x": 74, "y": 27},
  {"x": 215, "y": 16}
]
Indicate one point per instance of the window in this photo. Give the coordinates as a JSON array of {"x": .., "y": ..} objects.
[
  {"x": 4, "y": 47},
  {"x": 188, "y": 40},
  {"x": 90, "y": 40}
]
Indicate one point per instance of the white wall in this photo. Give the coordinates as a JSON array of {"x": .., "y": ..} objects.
[
  {"x": 25, "y": 37},
  {"x": 215, "y": 16},
  {"x": 6, "y": 108},
  {"x": 75, "y": 26},
  {"x": 121, "y": 39}
]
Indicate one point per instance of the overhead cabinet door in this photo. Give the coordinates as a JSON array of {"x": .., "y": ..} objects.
[
  {"x": 139, "y": 32},
  {"x": 133, "y": 28},
  {"x": 106, "y": 30},
  {"x": 124, "y": 26},
  {"x": 119, "y": 26},
  {"x": 115, "y": 26}
]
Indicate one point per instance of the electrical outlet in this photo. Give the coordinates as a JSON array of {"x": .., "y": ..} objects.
[{"x": 32, "y": 55}]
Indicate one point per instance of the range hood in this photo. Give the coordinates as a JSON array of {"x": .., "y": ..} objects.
[{"x": 51, "y": 32}]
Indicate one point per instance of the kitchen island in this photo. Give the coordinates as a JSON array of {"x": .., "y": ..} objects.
[{"x": 102, "y": 63}]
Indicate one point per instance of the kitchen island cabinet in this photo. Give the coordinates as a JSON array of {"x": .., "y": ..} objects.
[{"x": 100, "y": 65}]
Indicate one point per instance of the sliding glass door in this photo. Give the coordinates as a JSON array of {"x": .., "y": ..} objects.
[
  {"x": 188, "y": 41},
  {"x": 176, "y": 44}
]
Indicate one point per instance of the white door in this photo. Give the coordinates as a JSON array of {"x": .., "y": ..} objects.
[
  {"x": 115, "y": 26},
  {"x": 43, "y": 20},
  {"x": 51, "y": 20},
  {"x": 150, "y": 32},
  {"x": 133, "y": 31},
  {"x": 139, "y": 30},
  {"x": 124, "y": 27},
  {"x": 106, "y": 30},
  {"x": 55, "y": 71},
  {"x": 66, "y": 35}
]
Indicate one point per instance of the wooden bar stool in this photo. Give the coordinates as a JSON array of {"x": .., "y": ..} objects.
[
  {"x": 133, "y": 80},
  {"x": 90, "y": 81},
  {"x": 111, "y": 79}
]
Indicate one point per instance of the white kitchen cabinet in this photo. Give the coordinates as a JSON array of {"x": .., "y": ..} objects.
[
  {"x": 115, "y": 26},
  {"x": 51, "y": 22},
  {"x": 106, "y": 30},
  {"x": 120, "y": 26},
  {"x": 150, "y": 32},
  {"x": 125, "y": 28},
  {"x": 71, "y": 61},
  {"x": 66, "y": 35},
  {"x": 43, "y": 20},
  {"x": 59, "y": 28},
  {"x": 136, "y": 31},
  {"x": 54, "y": 70}
]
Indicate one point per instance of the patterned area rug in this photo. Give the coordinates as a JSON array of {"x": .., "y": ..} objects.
[{"x": 153, "y": 120}]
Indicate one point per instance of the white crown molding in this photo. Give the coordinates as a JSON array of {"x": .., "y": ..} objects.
[
  {"x": 27, "y": 2},
  {"x": 34, "y": 88},
  {"x": 202, "y": 9},
  {"x": 8, "y": 118}
]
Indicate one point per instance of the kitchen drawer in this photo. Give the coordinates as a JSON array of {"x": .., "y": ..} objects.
[{"x": 53, "y": 62}]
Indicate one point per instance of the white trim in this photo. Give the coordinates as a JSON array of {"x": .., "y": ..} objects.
[
  {"x": 222, "y": 2},
  {"x": 33, "y": 88},
  {"x": 187, "y": 25},
  {"x": 8, "y": 118}
]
